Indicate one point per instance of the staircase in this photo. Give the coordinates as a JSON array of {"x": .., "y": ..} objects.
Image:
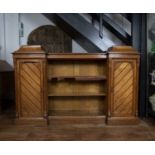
[{"x": 96, "y": 32}]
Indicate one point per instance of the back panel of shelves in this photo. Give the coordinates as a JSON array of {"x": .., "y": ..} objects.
[{"x": 77, "y": 87}]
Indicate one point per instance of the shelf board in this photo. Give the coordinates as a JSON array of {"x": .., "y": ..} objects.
[
  {"x": 78, "y": 78},
  {"x": 76, "y": 94}
]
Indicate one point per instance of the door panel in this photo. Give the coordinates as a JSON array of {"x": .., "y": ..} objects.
[
  {"x": 123, "y": 94},
  {"x": 30, "y": 88}
]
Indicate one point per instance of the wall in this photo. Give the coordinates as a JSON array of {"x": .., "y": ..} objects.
[
  {"x": 2, "y": 42},
  {"x": 9, "y": 41},
  {"x": 11, "y": 35}
]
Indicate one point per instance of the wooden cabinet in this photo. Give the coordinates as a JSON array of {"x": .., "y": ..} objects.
[
  {"x": 123, "y": 86},
  {"x": 30, "y": 86},
  {"x": 88, "y": 87}
]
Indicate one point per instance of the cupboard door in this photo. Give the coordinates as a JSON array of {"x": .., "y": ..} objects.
[
  {"x": 123, "y": 97},
  {"x": 30, "y": 74}
]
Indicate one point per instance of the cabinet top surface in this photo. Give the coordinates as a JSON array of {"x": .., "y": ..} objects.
[
  {"x": 37, "y": 50},
  {"x": 77, "y": 56}
]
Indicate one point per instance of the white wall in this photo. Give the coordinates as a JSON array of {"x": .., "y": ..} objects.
[
  {"x": 76, "y": 48},
  {"x": 9, "y": 36},
  {"x": 2, "y": 36}
]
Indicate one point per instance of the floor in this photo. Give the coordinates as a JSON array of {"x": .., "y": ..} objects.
[{"x": 71, "y": 132}]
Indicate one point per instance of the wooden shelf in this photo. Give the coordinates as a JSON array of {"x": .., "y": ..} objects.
[
  {"x": 77, "y": 88},
  {"x": 78, "y": 78},
  {"x": 76, "y": 94}
]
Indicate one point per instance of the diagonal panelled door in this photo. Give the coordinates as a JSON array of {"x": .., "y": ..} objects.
[
  {"x": 123, "y": 98},
  {"x": 30, "y": 88}
]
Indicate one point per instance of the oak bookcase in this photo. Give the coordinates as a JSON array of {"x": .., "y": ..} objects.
[{"x": 77, "y": 87}]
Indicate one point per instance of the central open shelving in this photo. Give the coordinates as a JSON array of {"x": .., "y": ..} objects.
[{"x": 77, "y": 87}]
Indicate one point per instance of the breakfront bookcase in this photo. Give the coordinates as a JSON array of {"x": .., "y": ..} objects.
[{"x": 76, "y": 87}]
